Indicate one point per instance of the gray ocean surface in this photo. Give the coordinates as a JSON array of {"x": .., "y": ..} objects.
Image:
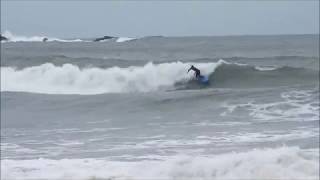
[{"x": 129, "y": 110}]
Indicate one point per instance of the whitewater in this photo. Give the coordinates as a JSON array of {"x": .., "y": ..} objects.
[
  {"x": 40, "y": 38},
  {"x": 127, "y": 109},
  {"x": 70, "y": 79}
]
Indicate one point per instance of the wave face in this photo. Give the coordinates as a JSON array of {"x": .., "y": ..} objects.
[
  {"x": 70, "y": 79},
  {"x": 17, "y": 38},
  {"x": 237, "y": 75},
  {"x": 278, "y": 163}
]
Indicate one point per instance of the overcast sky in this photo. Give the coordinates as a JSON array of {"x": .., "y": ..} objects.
[{"x": 141, "y": 18}]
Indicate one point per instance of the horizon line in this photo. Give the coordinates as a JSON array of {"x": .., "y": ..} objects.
[{"x": 171, "y": 36}]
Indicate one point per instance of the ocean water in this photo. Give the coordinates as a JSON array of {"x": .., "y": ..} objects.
[{"x": 127, "y": 108}]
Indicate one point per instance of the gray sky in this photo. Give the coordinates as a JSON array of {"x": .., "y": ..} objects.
[{"x": 141, "y": 18}]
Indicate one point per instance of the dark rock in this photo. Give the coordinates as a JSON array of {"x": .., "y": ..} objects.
[
  {"x": 44, "y": 39},
  {"x": 103, "y": 38},
  {"x": 3, "y": 38}
]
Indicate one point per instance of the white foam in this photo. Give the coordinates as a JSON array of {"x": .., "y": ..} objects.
[
  {"x": 9, "y": 147},
  {"x": 265, "y": 68},
  {"x": 294, "y": 106},
  {"x": 69, "y": 143},
  {"x": 70, "y": 79},
  {"x": 97, "y": 122},
  {"x": 278, "y": 163},
  {"x": 75, "y": 130},
  {"x": 18, "y": 38},
  {"x": 124, "y": 39},
  {"x": 274, "y": 136},
  {"x": 226, "y": 123},
  {"x": 259, "y": 68}
]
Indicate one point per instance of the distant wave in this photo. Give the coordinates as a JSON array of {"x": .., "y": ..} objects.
[
  {"x": 70, "y": 79},
  {"x": 117, "y": 39},
  {"x": 273, "y": 58},
  {"x": 18, "y": 38},
  {"x": 124, "y": 39}
]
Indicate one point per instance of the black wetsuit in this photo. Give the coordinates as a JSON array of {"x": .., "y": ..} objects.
[{"x": 196, "y": 71}]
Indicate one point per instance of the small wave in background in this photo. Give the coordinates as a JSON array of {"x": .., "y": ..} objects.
[{"x": 42, "y": 38}]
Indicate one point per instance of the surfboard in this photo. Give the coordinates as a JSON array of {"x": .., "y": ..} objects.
[{"x": 203, "y": 79}]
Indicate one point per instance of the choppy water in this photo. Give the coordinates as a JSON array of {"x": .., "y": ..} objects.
[{"x": 130, "y": 110}]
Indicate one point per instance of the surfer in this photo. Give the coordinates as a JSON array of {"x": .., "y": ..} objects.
[{"x": 196, "y": 71}]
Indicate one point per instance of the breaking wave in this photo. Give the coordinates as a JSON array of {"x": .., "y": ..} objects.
[
  {"x": 124, "y": 39},
  {"x": 18, "y": 38},
  {"x": 70, "y": 79}
]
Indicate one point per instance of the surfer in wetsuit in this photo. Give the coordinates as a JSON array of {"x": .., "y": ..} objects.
[{"x": 196, "y": 71}]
